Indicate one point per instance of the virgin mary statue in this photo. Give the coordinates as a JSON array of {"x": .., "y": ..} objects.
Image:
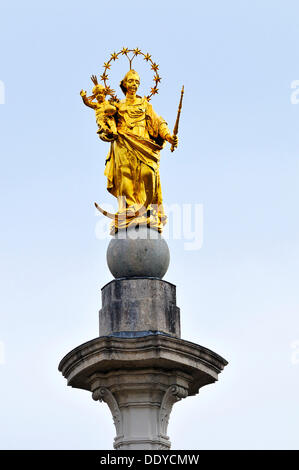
[{"x": 132, "y": 164}]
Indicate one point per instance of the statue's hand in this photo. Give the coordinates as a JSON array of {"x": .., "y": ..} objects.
[
  {"x": 173, "y": 140},
  {"x": 83, "y": 93},
  {"x": 105, "y": 135}
]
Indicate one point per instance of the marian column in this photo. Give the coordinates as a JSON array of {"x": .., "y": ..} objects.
[{"x": 138, "y": 365}]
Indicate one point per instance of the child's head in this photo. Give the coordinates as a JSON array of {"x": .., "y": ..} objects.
[{"x": 99, "y": 91}]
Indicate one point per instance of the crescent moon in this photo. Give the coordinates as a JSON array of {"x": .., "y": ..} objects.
[
  {"x": 106, "y": 213},
  {"x": 138, "y": 213}
]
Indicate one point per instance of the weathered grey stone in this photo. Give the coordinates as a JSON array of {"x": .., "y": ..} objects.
[
  {"x": 139, "y": 305},
  {"x": 139, "y": 366},
  {"x": 138, "y": 252},
  {"x": 104, "y": 354},
  {"x": 140, "y": 379}
]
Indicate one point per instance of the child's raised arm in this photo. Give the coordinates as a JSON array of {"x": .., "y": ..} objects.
[{"x": 86, "y": 100}]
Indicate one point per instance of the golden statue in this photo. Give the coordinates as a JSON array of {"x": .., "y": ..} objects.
[{"x": 137, "y": 134}]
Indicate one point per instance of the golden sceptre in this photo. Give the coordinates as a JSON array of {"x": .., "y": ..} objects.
[{"x": 176, "y": 126}]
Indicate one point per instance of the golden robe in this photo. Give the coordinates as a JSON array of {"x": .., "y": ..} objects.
[{"x": 132, "y": 165}]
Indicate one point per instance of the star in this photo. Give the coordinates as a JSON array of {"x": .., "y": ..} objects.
[
  {"x": 154, "y": 67},
  {"x": 109, "y": 91},
  {"x": 157, "y": 78},
  {"x": 107, "y": 65},
  {"x": 104, "y": 77},
  {"x": 124, "y": 50},
  {"x": 136, "y": 51},
  {"x": 154, "y": 91},
  {"x": 114, "y": 56},
  {"x": 147, "y": 57}
]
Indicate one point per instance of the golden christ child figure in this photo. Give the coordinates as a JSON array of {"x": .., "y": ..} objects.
[{"x": 104, "y": 110}]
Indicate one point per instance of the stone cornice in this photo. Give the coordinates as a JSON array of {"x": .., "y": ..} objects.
[{"x": 104, "y": 354}]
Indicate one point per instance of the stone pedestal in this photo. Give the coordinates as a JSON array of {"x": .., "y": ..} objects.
[
  {"x": 139, "y": 365},
  {"x": 139, "y": 305}
]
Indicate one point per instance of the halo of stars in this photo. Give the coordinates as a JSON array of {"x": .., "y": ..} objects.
[{"x": 136, "y": 52}]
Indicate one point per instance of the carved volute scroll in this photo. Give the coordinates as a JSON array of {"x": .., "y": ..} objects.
[
  {"x": 173, "y": 394},
  {"x": 104, "y": 394}
]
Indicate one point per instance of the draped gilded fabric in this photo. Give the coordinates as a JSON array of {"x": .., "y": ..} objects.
[{"x": 132, "y": 165}]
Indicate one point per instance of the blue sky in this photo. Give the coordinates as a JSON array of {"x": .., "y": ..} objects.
[{"x": 237, "y": 156}]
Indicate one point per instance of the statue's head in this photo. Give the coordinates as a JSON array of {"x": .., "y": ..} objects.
[
  {"x": 130, "y": 82},
  {"x": 99, "y": 91}
]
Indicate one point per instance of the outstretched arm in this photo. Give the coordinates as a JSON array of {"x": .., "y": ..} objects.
[{"x": 86, "y": 100}]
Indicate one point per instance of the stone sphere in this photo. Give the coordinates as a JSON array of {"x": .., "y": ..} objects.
[{"x": 138, "y": 252}]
